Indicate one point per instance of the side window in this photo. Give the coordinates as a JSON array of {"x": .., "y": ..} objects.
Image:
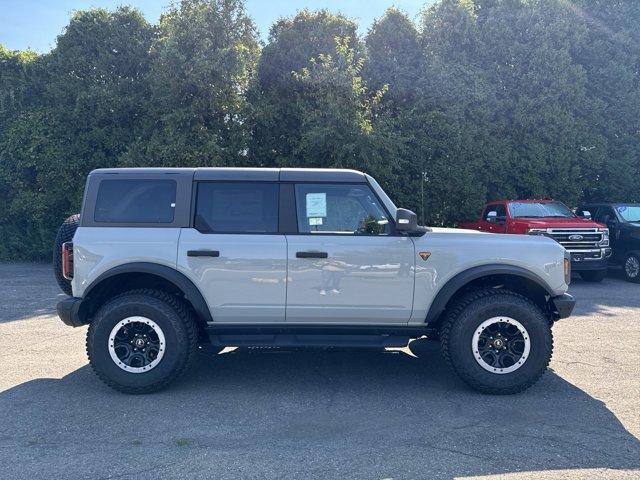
[
  {"x": 583, "y": 208},
  {"x": 604, "y": 214},
  {"x": 135, "y": 201},
  {"x": 340, "y": 208},
  {"x": 496, "y": 213},
  {"x": 234, "y": 207}
]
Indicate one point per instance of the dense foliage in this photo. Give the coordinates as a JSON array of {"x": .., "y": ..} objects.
[{"x": 477, "y": 100}]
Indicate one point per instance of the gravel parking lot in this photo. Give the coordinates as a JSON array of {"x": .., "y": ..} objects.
[{"x": 267, "y": 413}]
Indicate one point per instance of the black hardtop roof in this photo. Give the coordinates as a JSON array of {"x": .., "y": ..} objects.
[{"x": 248, "y": 174}]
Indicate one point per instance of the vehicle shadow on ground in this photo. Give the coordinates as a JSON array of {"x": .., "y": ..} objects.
[{"x": 258, "y": 413}]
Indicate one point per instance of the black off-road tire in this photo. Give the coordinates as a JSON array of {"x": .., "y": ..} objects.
[
  {"x": 65, "y": 234},
  {"x": 169, "y": 313},
  {"x": 630, "y": 277},
  {"x": 593, "y": 276},
  {"x": 466, "y": 316}
]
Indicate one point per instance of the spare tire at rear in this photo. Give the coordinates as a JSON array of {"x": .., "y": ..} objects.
[{"x": 65, "y": 234}]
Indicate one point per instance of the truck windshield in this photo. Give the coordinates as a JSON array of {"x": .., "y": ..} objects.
[
  {"x": 631, "y": 213},
  {"x": 540, "y": 210}
]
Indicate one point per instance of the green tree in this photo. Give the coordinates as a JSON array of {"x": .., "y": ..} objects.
[
  {"x": 20, "y": 83},
  {"x": 88, "y": 98},
  {"x": 504, "y": 73},
  {"x": 337, "y": 113},
  {"x": 32, "y": 171},
  {"x": 293, "y": 42},
  {"x": 20, "y": 89},
  {"x": 610, "y": 55},
  {"x": 393, "y": 57},
  {"x": 202, "y": 59}
]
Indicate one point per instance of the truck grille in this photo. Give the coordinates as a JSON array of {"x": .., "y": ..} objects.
[{"x": 569, "y": 238}]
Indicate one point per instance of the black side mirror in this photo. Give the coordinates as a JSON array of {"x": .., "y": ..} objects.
[{"x": 406, "y": 220}]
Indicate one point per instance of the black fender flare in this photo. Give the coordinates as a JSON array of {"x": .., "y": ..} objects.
[
  {"x": 179, "y": 279},
  {"x": 459, "y": 280},
  {"x": 631, "y": 252}
]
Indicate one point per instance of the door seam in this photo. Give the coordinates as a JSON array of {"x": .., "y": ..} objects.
[{"x": 286, "y": 275}]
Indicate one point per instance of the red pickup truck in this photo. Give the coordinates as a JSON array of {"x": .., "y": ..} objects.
[{"x": 586, "y": 240}]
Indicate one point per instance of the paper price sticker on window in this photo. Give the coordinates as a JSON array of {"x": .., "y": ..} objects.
[{"x": 316, "y": 205}]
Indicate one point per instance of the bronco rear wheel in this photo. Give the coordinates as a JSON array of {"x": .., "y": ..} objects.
[
  {"x": 497, "y": 341},
  {"x": 140, "y": 341}
]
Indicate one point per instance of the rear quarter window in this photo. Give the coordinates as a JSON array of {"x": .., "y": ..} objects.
[
  {"x": 135, "y": 201},
  {"x": 234, "y": 207}
]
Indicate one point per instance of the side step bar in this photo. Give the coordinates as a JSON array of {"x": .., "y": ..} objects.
[
  {"x": 313, "y": 335},
  {"x": 292, "y": 340}
]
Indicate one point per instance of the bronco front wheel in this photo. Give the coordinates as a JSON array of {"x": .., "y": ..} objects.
[{"x": 497, "y": 341}]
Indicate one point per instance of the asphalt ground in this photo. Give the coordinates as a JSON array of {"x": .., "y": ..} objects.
[{"x": 270, "y": 413}]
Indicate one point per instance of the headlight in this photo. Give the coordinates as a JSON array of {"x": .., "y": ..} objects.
[
  {"x": 537, "y": 231},
  {"x": 567, "y": 271},
  {"x": 605, "y": 237}
]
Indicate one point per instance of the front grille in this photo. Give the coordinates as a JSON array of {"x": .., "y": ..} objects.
[{"x": 591, "y": 238}]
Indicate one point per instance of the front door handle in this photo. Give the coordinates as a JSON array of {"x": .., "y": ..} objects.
[
  {"x": 203, "y": 253},
  {"x": 311, "y": 255}
]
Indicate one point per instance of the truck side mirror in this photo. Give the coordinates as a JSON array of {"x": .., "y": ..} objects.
[
  {"x": 586, "y": 214},
  {"x": 492, "y": 216},
  {"x": 406, "y": 220}
]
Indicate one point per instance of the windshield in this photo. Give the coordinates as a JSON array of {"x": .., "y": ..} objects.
[
  {"x": 631, "y": 213},
  {"x": 539, "y": 210},
  {"x": 383, "y": 196}
]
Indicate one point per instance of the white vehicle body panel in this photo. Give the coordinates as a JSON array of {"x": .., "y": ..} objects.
[
  {"x": 99, "y": 249},
  {"x": 453, "y": 251},
  {"x": 363, "y": 279},
  {"x": 246, "y": 283}
]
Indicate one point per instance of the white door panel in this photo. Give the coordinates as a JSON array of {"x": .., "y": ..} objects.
[
  {"x": 362, "y": 279},
  {"x": 246, "y": 283}
]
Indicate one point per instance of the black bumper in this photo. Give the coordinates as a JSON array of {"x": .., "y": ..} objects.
[
  {"x": 581, "y": 262},
  {"x": 69, "y": 311},
  {"x": 563, "y": 305}
]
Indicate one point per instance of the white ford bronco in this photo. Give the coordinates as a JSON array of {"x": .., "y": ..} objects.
[{"x": 162, "y": 260}]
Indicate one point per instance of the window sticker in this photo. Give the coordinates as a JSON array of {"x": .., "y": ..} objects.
[
  {"x": 315, "y": 221},
  {"x": 316, "y": 206},
  {"x": 622, "y": 209}
]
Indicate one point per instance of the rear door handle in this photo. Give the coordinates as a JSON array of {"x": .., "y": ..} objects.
[
  {"x": 203, "y": 253},
  {"x": 311, "y": 255}
]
